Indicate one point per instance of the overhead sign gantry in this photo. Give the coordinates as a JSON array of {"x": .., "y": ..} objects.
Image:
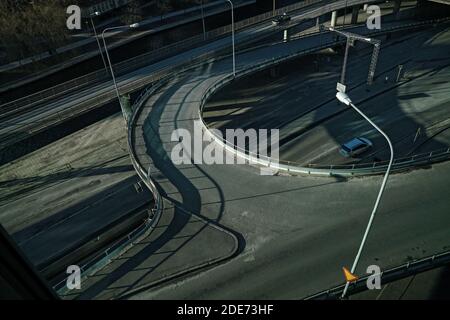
[{"x": 351, "y": 38}]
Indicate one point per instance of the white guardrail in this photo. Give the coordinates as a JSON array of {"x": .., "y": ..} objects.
[{"x": 372, "y": 168}]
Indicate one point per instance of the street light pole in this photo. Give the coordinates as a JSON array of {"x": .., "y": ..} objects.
[
  {"x": 273, "y": 9},
  {"x": 134, "y": 25},
  {"x": 203, "y": 22},
  {"x": 96, "y": 13},
  {"x": 344, "y": 98},
  {"x": 232, "y": 36},
  {"x": 345, "y": 12}
]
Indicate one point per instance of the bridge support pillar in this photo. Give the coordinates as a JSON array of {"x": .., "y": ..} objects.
[
  {"x": 397, "y": 6},
  {"x": 355, "y": 14},
  {"x": 421, "y": 9},
  {"x": 333, "y": 19},
  {"x": 274, "y": 72},
  {"x": 320, "y": 20},
  {"x": 286, "y": 35}
]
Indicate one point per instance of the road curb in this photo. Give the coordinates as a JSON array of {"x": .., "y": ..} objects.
[{"x": 210, "y": 263}]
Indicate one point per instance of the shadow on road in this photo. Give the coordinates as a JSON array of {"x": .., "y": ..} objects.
[
  {"x": 180, "y": 206},
  {"x": 16, "y": 188},
  {"x": 441, "y": 290}
]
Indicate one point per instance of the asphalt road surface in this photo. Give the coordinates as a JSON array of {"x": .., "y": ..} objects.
[
  {"x": 68, "y": 192},
  {"x": 297, "y": 231},
  {"x": 313, "y": 124}
]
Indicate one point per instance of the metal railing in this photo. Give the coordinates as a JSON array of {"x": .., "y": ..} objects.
[
  {"x": 294, "y": 167},
  {"x": 121, "y": 245},
  {"x": 389, "y": 275},
  {"x": 136, "y": 62},
  {"x": 103, "y": 258}
]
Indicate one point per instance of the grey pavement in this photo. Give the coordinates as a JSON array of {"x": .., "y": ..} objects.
[
  {"x": 63, "y": 195},
  {"x": 69, "y": 229},
  {"x": 60, "y": 175},
  {"x": 181, "y": 243},
  {"x": 300, "y": 232}
]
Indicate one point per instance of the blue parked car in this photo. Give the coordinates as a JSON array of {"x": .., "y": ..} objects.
[{"x": 355, "y": 146}]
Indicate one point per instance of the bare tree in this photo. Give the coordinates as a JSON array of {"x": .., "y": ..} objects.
[
  {"x": 28, "y": 28},
  {"x": 132, "y": 12}
]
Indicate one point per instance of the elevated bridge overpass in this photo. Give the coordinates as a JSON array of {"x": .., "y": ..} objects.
[{"x": 30, "y": 115}]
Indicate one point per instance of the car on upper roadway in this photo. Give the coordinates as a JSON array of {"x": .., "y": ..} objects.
[
  {"x": 284, "y": 18},
  {"x": 355, "y": 146}
]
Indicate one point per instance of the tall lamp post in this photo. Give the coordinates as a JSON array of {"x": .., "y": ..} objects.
[
  {"x": 345, "y": 12},
  {"x": 203, "y": 21},
  {"x": 344, "y": 98},
  {"x": 232, "y": 36},
  {"x": 96, "y": 14},
  {"x": 134, "y": 25}
]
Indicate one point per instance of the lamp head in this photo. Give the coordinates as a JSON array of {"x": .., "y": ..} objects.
[{"x": 344, "y": 98}]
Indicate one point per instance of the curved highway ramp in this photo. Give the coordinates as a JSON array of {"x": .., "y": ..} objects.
[{"x": 281, "y": 236}]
